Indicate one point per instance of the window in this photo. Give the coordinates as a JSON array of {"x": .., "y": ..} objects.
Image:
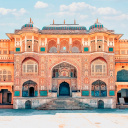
[
  {"x": 4, "y": 52},
  {"x": 5, "y": 75},
  {"x": 30, "y": 67},
  {"x": 99, "y": 88},
  {"x": 98, "y": 67}
]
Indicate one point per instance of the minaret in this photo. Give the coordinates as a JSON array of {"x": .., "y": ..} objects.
[
  {"x": 53, "y": 21},
  {"x": 64, "y": 21}
]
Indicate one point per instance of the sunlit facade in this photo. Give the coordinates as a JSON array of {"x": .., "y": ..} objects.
[{"x": 63, "y": 60}]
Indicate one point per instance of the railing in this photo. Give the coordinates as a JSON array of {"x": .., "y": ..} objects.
[
  {"x": 121, "y": 57},
  {"x": 6, "y": 57}
]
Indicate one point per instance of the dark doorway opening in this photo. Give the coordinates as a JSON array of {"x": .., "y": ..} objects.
[
  {"x": 5, "y": 96},
  {"x": 118, "y": 96},
  {"x": 101, "y": 104},
  {"x": 9, "y": 97},
  {"x": 28, "y": 104},
  {"x": 31, "y": 91},
  {"x": 64, "y": 89}
]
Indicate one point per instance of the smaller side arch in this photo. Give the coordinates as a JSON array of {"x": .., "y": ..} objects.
[
  {"x": 100, "y": 104},
  {"x": 28, "y": 104}
]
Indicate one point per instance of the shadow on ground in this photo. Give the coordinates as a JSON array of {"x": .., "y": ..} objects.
[{"x": 31, "y": 112}]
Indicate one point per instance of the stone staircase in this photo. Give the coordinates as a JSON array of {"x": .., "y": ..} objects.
[{"x": 65, "y": 104}]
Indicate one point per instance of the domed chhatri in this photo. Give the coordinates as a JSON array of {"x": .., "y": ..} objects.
[
  {"x": 29, "y": 26},
  {"x": 97, "y": 26}
]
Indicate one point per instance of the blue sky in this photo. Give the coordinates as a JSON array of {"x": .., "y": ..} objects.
[{"x": 113, "y": 14}]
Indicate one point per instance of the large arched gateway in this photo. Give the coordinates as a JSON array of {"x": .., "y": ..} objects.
[{"x": 64, "y": 77}]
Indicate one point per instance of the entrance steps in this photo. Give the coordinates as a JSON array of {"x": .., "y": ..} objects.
[{"x": 64, "y": 103}]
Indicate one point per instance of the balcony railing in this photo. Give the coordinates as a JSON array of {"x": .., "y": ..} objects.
[{"x": 6, "y": 57}]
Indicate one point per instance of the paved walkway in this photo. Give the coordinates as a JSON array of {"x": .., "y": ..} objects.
[{"x": 63, "y": 119}]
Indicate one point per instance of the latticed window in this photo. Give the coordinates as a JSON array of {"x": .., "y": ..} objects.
[
  {"x": 98, "y": 67},
  {"x": 30, "y": 67},
  {"x": 99, "y": 88},
  {"x": 5, "y": 75}
]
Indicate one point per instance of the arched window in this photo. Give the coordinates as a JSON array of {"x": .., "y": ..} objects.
[
  {"x": 75, "y": 49},
  {"x": 99, "y": 67},
  {"x": 99, "y": 88},
  {"x": 29, "y": 88},
  {"x": 5, "y": 75},
  {"x": 30, "y": 67},
  {"x": 122, "y": 76},
  {"x": 53, "y": 50}
]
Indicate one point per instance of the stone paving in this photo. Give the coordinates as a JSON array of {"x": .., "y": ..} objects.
[{"x": 64, "y": 118}]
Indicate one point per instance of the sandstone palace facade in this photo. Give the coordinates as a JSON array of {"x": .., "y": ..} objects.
[{"x": 63, "y": 60}]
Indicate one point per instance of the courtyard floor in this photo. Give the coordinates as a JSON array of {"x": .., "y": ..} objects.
[{"x": 107, "y": 118}]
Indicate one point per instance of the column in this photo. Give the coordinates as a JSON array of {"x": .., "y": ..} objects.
[
  {"x": 113, "y": 42},
  {"x": 12, "y": 98},
  {"x": 58, "y": 45},
  {"x": 15, "y": 42},
  {"x": 70, "y": 44},
  {"x": 103, "y": 43},
  {"x": 21, "y": 44},
  {"x": 46, "y": 44},
  {"x": 89, "y": 44},
  {"x": 32, "y": 43},
  {"x": 95, "y": 43},
  {"x": 82, "y": 44},
  {"x": 25, "y": 44}
]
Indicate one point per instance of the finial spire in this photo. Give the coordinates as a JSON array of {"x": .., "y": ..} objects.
[
  {"x": 30, "y": 20},
  {"x": 97, "y": 20},
  {"x": 74, "y": 21},
  {"x": 53, "y": 21},
  {"x": 64, "y": 21}
]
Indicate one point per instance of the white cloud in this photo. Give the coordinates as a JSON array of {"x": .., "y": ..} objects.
[
  {"x": 40, "y": 4},
  {"x": 82, "y": 6},
  {"x": 107, "y": 11},
  {"x": 119, "y": 17},
  {"x": 76, "y": 7},
  {"x": 4, "y": 11},
  {"x": 82, "y": 17}
]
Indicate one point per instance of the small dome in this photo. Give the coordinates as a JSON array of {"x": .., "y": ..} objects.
[
  {"x": 29, "y": 26},
  {"x": 97, "y": 27}
]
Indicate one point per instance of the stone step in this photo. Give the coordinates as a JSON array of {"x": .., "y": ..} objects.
[{"x": 65, "y": 104}]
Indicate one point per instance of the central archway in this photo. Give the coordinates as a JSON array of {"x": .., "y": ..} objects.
[{"x": 64, "y": 89}]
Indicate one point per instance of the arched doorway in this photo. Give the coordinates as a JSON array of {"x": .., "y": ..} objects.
[
  {"x": 64, "y": 72},
  {"x": 101, "y": 104},
  {"x": 29, "y": 88},
  {"x": 64, "y": 89},
  {"x": 5, "y": 96},
  {"x": 123, "y": 93},
  {"x": 31, "y": 91},
  {"x": 28, "y": 104}
]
